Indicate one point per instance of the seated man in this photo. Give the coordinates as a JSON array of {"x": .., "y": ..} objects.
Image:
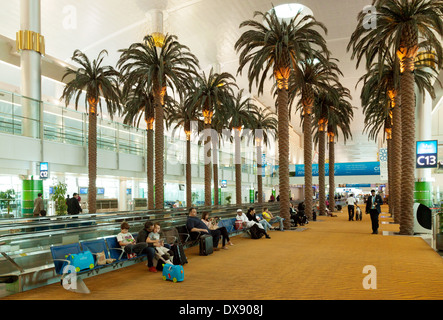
[
  {"x": 195, "y": 224},
  {"x": 267, "y": 215},
  {"x": 142, "y": 237}
]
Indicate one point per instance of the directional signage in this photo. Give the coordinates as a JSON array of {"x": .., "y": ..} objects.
[
  {"x": 44, "y": 170},
  {"x": 426, "y": 154}
]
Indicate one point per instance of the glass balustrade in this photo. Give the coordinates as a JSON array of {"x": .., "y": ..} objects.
[{"x": 35, "y": 119}]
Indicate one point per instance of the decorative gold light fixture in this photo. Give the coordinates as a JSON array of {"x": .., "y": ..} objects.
[
  {"x": 159, "y": 39},
  {"x": 150, "y": 123},
  {"x": 331, "y": 136},
  {"x": 207, "y": 114},
  {"x": 30, "y": 40},
  {"x": 322, "y": 124}
]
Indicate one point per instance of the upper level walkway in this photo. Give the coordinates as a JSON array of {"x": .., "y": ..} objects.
[{"x": 323, "y": 260}]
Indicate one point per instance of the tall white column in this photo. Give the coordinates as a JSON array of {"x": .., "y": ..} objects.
[
  {"x": 423, "y": 127},
  {"x": 122, "y": 203},
  {"x": 30, "y": 64}
]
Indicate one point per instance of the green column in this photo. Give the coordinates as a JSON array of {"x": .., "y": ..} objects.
[
  {"x": 251, "y": 195},
  {"x": 422, "y": 193},
  {"x": 30, "y": 190}
]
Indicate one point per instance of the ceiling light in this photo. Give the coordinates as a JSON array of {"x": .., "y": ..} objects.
[{"x": 290, "y": 10}]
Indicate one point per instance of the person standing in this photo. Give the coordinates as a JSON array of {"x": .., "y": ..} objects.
[
  {"x": 373, "y": 208},
  {"x": 74, "y": 205},
  {"x": 38, "y": 205},
  {"x": 351, "y": 201}
]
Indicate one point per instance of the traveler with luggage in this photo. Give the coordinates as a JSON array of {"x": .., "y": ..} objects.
[
  {"x": 256, "y": 229},
  {"x": 212, "y": 224},
  {"x": 194, "y": 224},
  {"x": 252, "y": 217},
  {"x": 163, "y": 252},
  {"x": 351, "y": 201},
  {"x": 142, "y": 237}
]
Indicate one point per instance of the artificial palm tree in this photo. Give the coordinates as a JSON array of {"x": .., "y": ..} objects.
[
  {"x": 380, "y": 96},
  {"x": 332, "y": 111},
  {"x": 340, "y": 116},
  {"x": 311, "y": 76},
  {"x": 139, "y": 105},
  {"x": 402, "y": 24},
  {"x": 276, "y": 46},
  {"x": 240, "y": 112},
  {"x": 154, "y": 69},
  {"x": 210, "y": 94},
  {"x": 182, "y": 115},
  {"x": 95, "y": 81},
  {"x": 323, "y": 101},
  {"x": 265, "y": 124}
]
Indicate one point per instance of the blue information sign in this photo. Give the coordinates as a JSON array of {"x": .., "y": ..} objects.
[
  {"x": 44, "y": 170},
  {"x": 343, "y": 169},
  {"x": 426, "y": 155}
]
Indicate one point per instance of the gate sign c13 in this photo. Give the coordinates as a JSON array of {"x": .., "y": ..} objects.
[{"x": 426, "y": 154}]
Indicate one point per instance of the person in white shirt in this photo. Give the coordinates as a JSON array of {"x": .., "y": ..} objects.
[
  {"x": 351, "y": 201},
  {"x": 249, "y": 223}
]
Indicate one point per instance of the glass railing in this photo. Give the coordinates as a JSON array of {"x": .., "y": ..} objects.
[{"x": 35, "y": 119}]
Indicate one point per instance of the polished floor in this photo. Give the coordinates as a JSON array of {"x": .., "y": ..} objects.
[{"x": 328, "y": 259}]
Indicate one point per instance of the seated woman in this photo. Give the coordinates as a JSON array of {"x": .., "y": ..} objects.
[
  {"x": 213, "y": 225},
  {"x": 250, "y": 224},
  {"x": 252, "y": 217}
]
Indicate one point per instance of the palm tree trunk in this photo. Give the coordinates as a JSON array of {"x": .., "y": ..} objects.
[
  {"x": 215, "y": 170},
  {"x": 159, "y": 151},
  {"x": 283, "y": 154},
  {"x": 331, "y": 176},
  {"x": 92, "y": 159},
  {"x": 150, "y": 167},
  {"x": 188, "y": 174},
  {"x": 237, "y": 158},
  {"x": 321, "y": 173},
  {"x": 408, "y": 147},
  {"x": 307, "y": 127},
  {"x": 207, "y": 162},
  {"x": 260, "y": 169},
  {"x": 395, "y": 190},
  {"x": 388, "y": 186}
]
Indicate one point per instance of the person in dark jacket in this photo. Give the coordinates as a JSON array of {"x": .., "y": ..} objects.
[
  {"x": 74, "y": 205},
  {"x": 373, "y": 208}
]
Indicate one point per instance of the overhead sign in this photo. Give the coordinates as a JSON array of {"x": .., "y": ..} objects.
[
  {"x": 44, "y": 170},
  {"x": 426, "y": 154},
  {"x": 343, "y": 169}
]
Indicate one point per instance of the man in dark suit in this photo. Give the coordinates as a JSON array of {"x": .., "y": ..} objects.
[
  {"x": 373, "y": 208},
  {"x": 74, "y": 205}
]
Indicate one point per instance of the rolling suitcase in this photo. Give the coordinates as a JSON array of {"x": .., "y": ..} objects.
[
  {"x": 173, "y": 273},
  {"x": 179, "y": 254},
  {"x": 81, "y": 261},
  {"x": 206, "y": 245}
]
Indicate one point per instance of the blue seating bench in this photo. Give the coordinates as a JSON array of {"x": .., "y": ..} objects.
[{"x": 108, "y": 245}]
